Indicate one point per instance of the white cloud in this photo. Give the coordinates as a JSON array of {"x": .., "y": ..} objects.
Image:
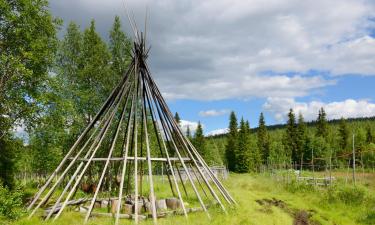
[
  {"x": 349, "y": 108},
  {"x": 218, "y": 131},
  {"x": 213, "y": 112},
  {"x": 184, "y": 124},
  {"x": 220, "y": 49}
]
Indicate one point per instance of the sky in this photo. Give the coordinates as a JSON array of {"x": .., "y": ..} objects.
[{"x": 214, "y": 56}]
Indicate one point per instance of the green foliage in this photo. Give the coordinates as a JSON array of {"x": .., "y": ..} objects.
[
  {"x": 290, "y": 137},
  {"x": 199, "y": 141},
  {"x": 344, "y": 134},
  {"x": 27, "y": 46},
  {"x": 301, "y": 138},
  {"x": 188, "y": 133},
  {"x": 177, "y": 118},
  {"x": 11, "y": 205},
  {"x": 322, "y": 125},
  {"x": 119, "y": 46},
  {"x": 232, "y": 142},
  {"x": 242, "y": 155},
  {"x": 369, "y": 135},
  {"x": 263, "y": 138},
  {"x": 347, "y": 194}
]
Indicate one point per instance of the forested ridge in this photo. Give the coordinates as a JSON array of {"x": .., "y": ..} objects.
[{"x": 298, "y": 141}]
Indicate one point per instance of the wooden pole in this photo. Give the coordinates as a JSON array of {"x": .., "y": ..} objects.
[
  {"x": 87, "y": 129},
  {"x": 84, "y": 169},
  {"x": 312, "y": 162},
  {"x": 330, "y": 168},
  {"x": 157, "y": 130},
  {"x": 109, "y": 156},
  {"x": 152, "y": 194},
  {"x": 166, "y": 109},
  {"x": 135, "y": 148},
  {"x": 354, "y": 178},
  {"x": 126, "y": 147},
  {"x": 101, "y": 135}
]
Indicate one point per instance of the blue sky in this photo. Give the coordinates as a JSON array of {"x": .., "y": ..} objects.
[{"x": 211, "y": 57}]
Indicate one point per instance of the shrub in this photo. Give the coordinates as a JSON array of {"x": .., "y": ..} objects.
[
  {"x": 298, "y": 187},
  {"x": 347, "y": 195},
  {"x": 10, "y": 203}
]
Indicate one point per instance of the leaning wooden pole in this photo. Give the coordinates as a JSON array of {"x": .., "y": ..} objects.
[
  {"x": 152, "y": 112},
  {"x": 87, "y": 129},
  {"x": 149, "y": 165},
  {"x": 108, "y": 159},
  {"x": 216, "y": 181},
  {"x": 126, "y": 147}
]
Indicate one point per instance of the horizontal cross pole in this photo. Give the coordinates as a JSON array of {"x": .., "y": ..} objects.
[{"x": 132, "y": 159}]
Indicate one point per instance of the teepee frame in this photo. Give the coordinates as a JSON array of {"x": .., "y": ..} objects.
[{"x": 134, "y": 105}]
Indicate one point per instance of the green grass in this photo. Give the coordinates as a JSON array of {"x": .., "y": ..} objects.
[{"x": 340, "y": 204}]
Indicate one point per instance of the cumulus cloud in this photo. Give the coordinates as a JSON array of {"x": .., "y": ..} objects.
[
  {"x": 184, "y": 124},
  {"x": 220, "y": 49},
  {"x": 213, "y": 112},
  {"x": 349, "y": 108},
  {"x": 218, "y": 131}
]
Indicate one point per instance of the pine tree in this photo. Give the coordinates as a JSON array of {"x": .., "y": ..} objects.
[
  {"x": 231, "y": 146},
  {"x": 343, "y": 134},
  {"x": 199, "y": 142},
  {"x": 243, "y": 153},
  {"x": 177, "y": 118},
  {"x": 369, "y": 135},
  {"x": 301, "y": 139},
  {"x": 322, "y": 125},
  {"x": 289, "y": 141},
  {"x": 188, "y": 133},
  {"x": 263, "y": 138}
]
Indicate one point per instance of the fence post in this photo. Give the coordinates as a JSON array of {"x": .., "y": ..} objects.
[{"x": 354, "y": 180}]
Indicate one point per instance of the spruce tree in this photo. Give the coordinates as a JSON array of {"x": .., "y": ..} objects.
[
  {"x": 188, "y": 133},
  {"x": 301, "y": 139},
  {"x": 243, "y": 153},
  {"x": 231, "y": 147},
  {"x": 177, "y": 118},
  {"x": 369, "y": 135},
  {"x": 199, "y": 142},
  {"x": 343, "y": 134},
  {"x": 322, "y": 124},
  {"x": 263, "y": 138},
  {"x": 289, "y": 141}
]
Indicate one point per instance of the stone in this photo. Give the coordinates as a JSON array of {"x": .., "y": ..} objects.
[
  {"x": 148, "y": 207},
  {"x": 114, "y": 203},
  {"x": 128, "y": 209},
  {"x": 140, "y": 206},
  {"x": 97, "y": 204},
  {"x": 161, "y": 205},
  {"x": 172, "y": 203},
  {"x": 83, "y": 209},
  {"x": 104, "y": 203}
]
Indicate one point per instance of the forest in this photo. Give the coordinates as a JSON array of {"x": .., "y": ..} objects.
[{"x": 52, "y": 87}]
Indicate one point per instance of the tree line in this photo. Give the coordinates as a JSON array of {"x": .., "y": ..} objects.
[{"x": 246, "y": 149}]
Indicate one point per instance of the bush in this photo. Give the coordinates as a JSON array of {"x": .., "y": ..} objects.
[
  {"x": 347, "y": 195},
  {"x": 298, "y": 187},
  {"x": 10, "y": 203}
]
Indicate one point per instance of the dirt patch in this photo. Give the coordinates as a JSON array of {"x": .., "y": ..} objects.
[{"x": 301, "y": 217}]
